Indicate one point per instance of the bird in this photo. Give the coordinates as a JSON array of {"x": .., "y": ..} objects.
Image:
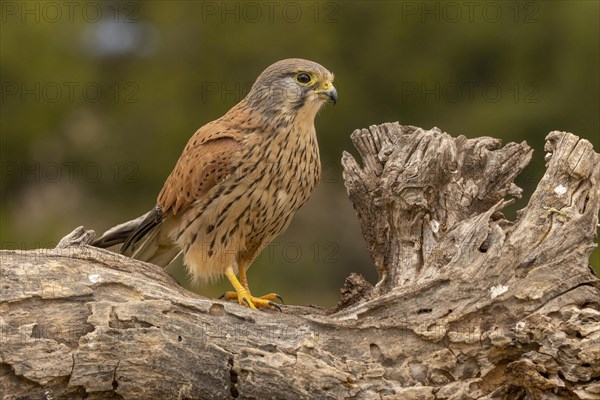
[{"x": 238, "y": 182}]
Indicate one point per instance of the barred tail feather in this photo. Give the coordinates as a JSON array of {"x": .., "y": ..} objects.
[
  {"x": 120, "y": 233},
  {"x": 143, "y": 238}
]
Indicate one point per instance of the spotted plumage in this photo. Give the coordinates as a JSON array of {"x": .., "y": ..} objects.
[{"x": 238, "y": 181}]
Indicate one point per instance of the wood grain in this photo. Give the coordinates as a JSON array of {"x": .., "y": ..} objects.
[{"x": 469, "y": 305}]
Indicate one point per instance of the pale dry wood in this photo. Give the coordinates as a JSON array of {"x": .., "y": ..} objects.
[{"x": 468, "y": 305}]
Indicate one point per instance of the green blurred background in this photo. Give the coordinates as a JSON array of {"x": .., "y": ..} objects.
[{"x": 99, "y": 98}]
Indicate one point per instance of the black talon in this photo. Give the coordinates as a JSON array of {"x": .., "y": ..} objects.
[
  {"x": 222, "y": 296},
  {"x": 275, "y": 305},
  {"x": 246, "y": 301},
  {"x": 279, "y": 298}
]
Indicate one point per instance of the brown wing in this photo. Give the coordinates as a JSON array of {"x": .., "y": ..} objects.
[{"x": 206, "y": 159}]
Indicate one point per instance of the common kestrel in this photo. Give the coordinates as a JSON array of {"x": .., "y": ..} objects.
[{"x": 238, "y": 182}]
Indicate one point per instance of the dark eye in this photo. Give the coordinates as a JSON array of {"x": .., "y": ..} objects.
[{"x": 303, "y": 77}]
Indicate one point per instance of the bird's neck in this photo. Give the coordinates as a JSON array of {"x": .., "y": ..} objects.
[{"x": 274, "y": 119}]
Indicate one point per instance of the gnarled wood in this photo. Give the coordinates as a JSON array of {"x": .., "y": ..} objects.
[{"x": 469, "y": 305}]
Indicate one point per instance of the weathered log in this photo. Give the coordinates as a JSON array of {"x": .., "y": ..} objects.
[{"x": 469, "y": 305}]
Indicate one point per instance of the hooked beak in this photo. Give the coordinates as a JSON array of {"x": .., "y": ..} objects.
[
  {"x": 332, "y": 94},
  {"x": 329, "y": 92}
]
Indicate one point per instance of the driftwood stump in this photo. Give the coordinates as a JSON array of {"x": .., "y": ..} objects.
[{"x": 469, "y": 305}]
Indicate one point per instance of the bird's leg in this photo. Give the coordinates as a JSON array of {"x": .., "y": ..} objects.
[
  {"x": 243, "y": 278},
  {"x": 242, "y": 292}
]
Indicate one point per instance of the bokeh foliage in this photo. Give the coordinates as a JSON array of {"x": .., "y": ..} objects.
[{"x": 99, "y": 98}]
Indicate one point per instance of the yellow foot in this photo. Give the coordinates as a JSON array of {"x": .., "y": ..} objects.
[{"x": 245, "y": 298}]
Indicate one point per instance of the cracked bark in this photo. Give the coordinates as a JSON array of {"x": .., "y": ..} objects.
[{"x": 469, "y": 305}]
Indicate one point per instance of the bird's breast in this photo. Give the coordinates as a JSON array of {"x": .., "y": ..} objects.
[
  {"x": 273, "y": 178},
  {"x": 280, "y": 175}
]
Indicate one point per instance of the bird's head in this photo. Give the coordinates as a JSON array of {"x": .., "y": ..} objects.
[{"x": 292, "y": 86}]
